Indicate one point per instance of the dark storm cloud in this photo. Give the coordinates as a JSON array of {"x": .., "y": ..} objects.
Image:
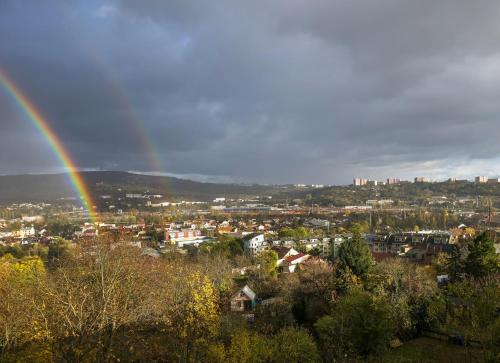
[{"x": 295, "y": 90}]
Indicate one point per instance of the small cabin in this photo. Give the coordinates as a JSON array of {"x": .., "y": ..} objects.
[{"x": 244, "y": 300}]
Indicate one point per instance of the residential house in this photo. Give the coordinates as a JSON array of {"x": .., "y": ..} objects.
[
  {"x": 290, "y": 263},
  {"x": 185, "y": 237},
  {"x": 377, "y": 242},
  {"x": 243, "y": 300},
  {"x": 27, "y": 232},
  {"x": 289, "y": 258},
  {"x": 334, "y": 244},
  {"x": 283, "y": 252},
  {"x": 254, "y": 243}
]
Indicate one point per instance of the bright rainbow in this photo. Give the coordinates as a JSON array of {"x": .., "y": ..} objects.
[{"x": 41, "y": 124}]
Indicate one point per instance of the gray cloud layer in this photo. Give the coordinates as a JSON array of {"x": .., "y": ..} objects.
[{"x": 281, "y": 91}]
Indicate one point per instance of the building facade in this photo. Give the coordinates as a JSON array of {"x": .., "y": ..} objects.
[
  {"x": 421, "y": 179},
  {"x": 254, "y": 244},
  {"x": 357, "y": 182}
]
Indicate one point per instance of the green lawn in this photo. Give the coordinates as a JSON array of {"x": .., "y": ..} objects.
[{"x": 432, "y": 350}]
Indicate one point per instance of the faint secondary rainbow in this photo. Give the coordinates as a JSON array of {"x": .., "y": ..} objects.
[
  {"x": 56, "y": 145},
  {"x": 116, "y": 88},
  {"x": 117, "y": 91},
  {"x": 132, "y": 119}
]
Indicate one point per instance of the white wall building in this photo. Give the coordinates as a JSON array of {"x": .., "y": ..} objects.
[
  {"x": 27, "y": 232},
  {"x": 357, "y": 182},
  {"x": 254, "y": 243}
]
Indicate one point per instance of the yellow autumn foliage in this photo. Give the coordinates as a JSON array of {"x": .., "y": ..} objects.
[
  {"x": 19, "y": 318},
  {"x": 201, "y": 309}
]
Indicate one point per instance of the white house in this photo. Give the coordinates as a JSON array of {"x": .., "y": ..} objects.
[
  {"x": 290, "y": 263},
  {"x": 27, "y": 232},
  {"x": 254, "y": 243}
]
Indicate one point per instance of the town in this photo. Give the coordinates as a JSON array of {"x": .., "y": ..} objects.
[
  {"x": 420, "y": 179},
  {"x": 256, "y": 246},
  {"x": 257, "y": 228}
]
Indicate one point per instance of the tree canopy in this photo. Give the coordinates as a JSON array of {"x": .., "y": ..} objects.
[
  {"x": 355, "y": 254},
  {"x": 482, "y": 259}
]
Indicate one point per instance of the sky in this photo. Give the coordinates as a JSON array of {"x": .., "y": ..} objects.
[{"x": 283, "y": 91}]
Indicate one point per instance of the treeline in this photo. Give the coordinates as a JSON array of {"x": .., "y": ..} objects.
[
  {"x": 404, "y": 193},
  {"x": 379, "y": 221},
  {"x": 102, "y": 301}
]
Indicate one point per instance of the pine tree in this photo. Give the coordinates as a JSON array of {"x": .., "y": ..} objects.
[
  {"x": 356, "y": 255},
  {"x": 482, "y": 259}
]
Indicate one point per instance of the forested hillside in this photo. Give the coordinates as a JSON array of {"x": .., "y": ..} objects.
[{"x": 23, "y": 188}]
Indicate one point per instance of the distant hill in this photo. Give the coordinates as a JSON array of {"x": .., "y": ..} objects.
[
  {"x": 417, "y": 193},
  {"x": 24, "y": 188},
  {"x": 50, "y": 187}
]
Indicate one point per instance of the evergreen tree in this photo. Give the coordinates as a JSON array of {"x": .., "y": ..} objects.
[
  {"x": 482, "y": 259},
  {"x": 356, "y": 255},
  {"x": 454, "y": 265}
]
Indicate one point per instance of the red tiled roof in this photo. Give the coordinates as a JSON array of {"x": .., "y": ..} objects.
[{"x": 294, "y": 257}]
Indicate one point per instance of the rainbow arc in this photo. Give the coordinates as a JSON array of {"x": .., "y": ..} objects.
[{"x": 52, "y": 139}]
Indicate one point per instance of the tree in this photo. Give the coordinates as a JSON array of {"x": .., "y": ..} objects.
[
  {"x": 455, "y": 264},
  {"x": 61, "y": 228},
  {"x": 331, "y": 338},
  {"x": 247, "y": 347},
  {"x": 288, "y": 345},
  {"x": 14, "y": 226},
  {"x": 198, "y": 318},
  {"x": 20, "y": 322},
  {"x": 356, "y": 255},
  {"x": 12, "y": 250},
  {"x": 227, "y": 246},
  {"x": 90, "y": 298},
  {"x": 482, "y": 259},
  {"x": 472, "y": 312},
  {"x": 235, "y": 246},
  {"x": 59, "y": 249},
  {"x": 108, "y": 303},
  {"x": 295, "y": 233},
  {"x": 268, "y": 261},
  {"x": 360, "y": 325},
  {"x": 410, "y": 292},
  {"x": 358, "y": 228},
  {"x": 218, "y": 269},
  {"x": 294, "y": 345},
  {"x": 315, "y": 291}
]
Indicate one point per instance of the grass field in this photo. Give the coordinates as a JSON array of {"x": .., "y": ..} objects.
[{"x": 426, "y": 349}]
